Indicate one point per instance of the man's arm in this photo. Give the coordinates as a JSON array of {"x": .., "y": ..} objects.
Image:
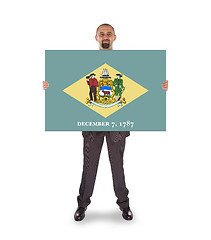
[
  {"x": 96, "y": 82},
  {"x": 122, "y": 84}
]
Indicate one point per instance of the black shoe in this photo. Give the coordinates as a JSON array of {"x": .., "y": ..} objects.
[
  {"x": 79, "y": 214},
  {"x": 127, "y": 213}
]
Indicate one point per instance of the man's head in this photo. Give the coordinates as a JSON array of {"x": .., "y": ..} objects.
[
  {"x": 118, "y": 76},
  {"x": 92, "y": 75},
  {"x": 105, "y": 36}
]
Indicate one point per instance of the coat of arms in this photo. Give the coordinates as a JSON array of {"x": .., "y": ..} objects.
[{"x": 105, "y": 92}]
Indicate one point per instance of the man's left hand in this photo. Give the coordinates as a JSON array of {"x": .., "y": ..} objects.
[{"x": 165, "y": 85}]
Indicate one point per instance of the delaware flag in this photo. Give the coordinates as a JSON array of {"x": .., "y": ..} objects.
[{"x": 105, "y": 90}]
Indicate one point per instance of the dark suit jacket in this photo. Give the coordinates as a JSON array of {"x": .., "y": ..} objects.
[{"x": 115, "y": 136}]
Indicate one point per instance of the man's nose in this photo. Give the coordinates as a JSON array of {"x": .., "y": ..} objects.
[{"x": 105, "y": 36}]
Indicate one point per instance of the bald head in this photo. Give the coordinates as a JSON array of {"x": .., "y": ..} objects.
[{"x": 105, "y": 24}]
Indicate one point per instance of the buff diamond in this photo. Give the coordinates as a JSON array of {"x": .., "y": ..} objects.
[{"x": 105, "y": 90}]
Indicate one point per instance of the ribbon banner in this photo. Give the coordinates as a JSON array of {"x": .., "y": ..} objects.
[
  {"x": 105, "y": 90},
  {"x": 106, "y": 105}
]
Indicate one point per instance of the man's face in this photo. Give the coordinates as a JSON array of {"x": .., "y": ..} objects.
[{"x": 105, "y": 36}]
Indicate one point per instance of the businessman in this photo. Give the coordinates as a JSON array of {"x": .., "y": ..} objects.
[{"x": 93, "y": 142}]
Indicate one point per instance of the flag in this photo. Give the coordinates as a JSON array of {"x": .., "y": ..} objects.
[{"x": 105, "y": 90}]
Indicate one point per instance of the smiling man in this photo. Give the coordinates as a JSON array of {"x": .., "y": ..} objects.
[
  {"x": 105, "y": 35},
  {"x": 93, "y": 142}
]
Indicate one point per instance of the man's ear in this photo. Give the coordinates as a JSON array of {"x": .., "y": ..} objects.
[
  {"x": 114, "y": 37},
  {"x": 96, "y": 38}
]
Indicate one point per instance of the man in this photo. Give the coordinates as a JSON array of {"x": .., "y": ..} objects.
[
  {"x": 93, "y": 84},
  {"x": 93, "y": 142},
  {"x": 118, "y": 84}
]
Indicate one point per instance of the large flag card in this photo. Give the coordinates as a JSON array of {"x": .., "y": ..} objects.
[{"x": 105, "y": 90}]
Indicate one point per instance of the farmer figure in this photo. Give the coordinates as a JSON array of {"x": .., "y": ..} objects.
[{"x": 93, "y": 84}]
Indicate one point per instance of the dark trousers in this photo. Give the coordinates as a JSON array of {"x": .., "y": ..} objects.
[
  {"x": 93, "y": 91},
  {"x": 92, "y": 150}
]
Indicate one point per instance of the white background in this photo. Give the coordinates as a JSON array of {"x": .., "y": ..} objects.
[{"x": 167, "y": 173}]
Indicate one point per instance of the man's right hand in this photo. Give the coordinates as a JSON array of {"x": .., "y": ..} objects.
[{"x": 45, "y": 85}]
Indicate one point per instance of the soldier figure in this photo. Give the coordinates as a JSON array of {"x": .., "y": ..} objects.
[{"x": 118, "y": 84}]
